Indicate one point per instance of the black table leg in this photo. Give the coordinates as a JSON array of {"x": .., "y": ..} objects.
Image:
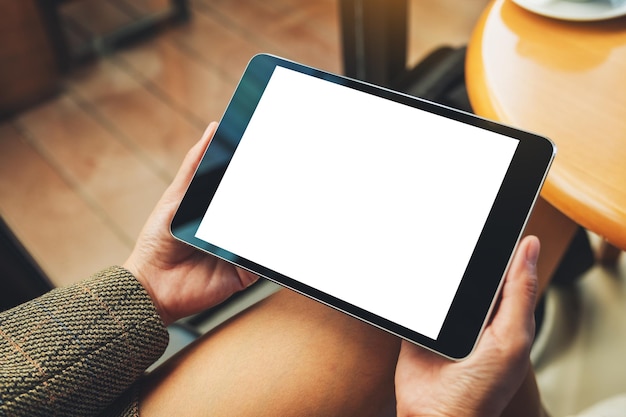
[{"x": 374, "y": 39}]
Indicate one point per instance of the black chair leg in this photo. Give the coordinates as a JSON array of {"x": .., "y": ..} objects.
[{"x": 21, "y": 278}]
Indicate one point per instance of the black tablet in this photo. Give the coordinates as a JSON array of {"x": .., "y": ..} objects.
[{"x": 395, "y": 210}]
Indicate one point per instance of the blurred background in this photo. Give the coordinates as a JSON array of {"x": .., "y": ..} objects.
[{"x": 81, "y": 169}]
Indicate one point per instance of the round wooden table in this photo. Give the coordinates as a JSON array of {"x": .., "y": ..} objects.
[{"x": 567, "y": 81}]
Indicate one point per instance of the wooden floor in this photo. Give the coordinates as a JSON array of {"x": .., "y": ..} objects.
[{"x": 81, "y": 172}]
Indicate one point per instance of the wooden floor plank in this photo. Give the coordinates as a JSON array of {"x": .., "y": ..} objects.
[
  {"x": 109, "y": 176},
  {"x": 63, "y": 234},
  {"x": 211, "y": 40},
  {"x": 180, "y": 78},
  {"x": 149, "y": 125},
  {"x": 282, "y": 28}
]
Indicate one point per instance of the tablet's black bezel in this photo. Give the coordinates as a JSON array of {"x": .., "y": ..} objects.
[{"x": 482, "y": 279}]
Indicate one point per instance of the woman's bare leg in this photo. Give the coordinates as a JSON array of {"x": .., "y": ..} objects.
[
  {"x": 290, "y": 356},
  {"x": 286, "y": 356}
]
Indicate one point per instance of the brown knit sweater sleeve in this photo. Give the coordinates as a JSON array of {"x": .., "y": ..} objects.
[{"x": 74, "y": 350}]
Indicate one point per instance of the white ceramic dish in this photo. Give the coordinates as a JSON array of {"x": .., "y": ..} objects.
[{"x": 576, "y": 9}]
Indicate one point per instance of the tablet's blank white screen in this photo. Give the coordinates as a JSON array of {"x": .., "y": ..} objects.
[{"x": 368, "y": 200}]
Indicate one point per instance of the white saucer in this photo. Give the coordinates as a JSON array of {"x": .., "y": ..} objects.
[{"x": 576, "y": 10}]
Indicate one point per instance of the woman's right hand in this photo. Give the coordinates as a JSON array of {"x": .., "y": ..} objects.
[{"x": 483, "y": 384}]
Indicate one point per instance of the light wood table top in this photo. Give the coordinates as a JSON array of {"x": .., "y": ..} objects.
[{"x": 567, "y": 81}]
